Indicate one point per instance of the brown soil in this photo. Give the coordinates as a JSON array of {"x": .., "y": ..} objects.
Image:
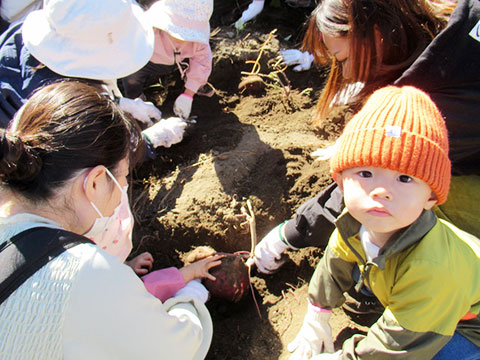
[{"x": 253, "y": 143}]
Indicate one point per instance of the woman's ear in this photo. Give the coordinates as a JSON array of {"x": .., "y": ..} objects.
[{"x": 95, "y": 182}]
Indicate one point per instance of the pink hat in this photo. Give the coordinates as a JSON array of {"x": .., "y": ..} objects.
[{"x": 186, "y": 20}]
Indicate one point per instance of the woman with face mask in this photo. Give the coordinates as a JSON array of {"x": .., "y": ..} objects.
[{"x": 63, "y": 166}]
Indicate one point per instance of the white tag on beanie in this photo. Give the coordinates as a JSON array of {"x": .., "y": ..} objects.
[
  {"x": 393, "y": 131},
  {"x": 475, "y": 33}
]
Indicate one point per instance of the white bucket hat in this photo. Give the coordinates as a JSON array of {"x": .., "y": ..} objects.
[
  {"x": 187, "y": 20},
  {"x": 93, "y": 39}
]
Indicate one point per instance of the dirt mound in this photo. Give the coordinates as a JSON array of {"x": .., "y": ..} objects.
[{"x": 254, "y": 145}]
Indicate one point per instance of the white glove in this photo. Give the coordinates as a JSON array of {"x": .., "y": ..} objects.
[
  {"x": 324, "y": 356},
  {"x": 315, "y": 336},
  {"x": 183, "y": 106},
  {"x": 268, "y": 252},
  {"x": 166, "y": 132},
  {"x": 141, "y": 110},
  {"x": 194, "y": 289},
  {"x": 303, "y": 60},
  {"x": 255, "y": 8}
]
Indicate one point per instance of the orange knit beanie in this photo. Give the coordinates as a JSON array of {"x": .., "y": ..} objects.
[{"x": 401, "y": 129}]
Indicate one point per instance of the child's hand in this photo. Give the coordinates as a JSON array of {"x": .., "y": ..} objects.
[
  {"x": 183, "y": 106},
  {"x": 200, "y": 268},
  {"x": 141, "y": 264}
]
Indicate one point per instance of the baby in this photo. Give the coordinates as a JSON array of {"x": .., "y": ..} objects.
[{"x": 392, "y": 166}]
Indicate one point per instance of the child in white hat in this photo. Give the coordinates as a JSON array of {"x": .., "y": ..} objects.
[
  {"x": 182, "y": 32},
  {"x": 97, "y": 40}
]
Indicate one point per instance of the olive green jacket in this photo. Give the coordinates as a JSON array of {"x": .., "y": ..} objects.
[{"x": 427, "y": 276}]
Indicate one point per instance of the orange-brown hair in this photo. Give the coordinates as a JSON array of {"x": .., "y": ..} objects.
[{"x": 385, "y": 37}]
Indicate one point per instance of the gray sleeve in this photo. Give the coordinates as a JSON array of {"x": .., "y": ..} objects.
[
  {"x": 332, "y": 277},
  {"x": 386, "y": 339}
]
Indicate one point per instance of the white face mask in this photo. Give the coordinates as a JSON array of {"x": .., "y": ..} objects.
[{"x": 114, "y": 233}]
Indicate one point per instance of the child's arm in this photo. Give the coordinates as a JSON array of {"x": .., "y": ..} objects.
[
  {"x": 200, "y": 67},
  {"x": 333, "y": 275},
  {"x": 199, "y": 269},
  {"x": 141, "y": 264},
  {"x": 165, "y": 283},
  {"x": 387, "y": 339}
]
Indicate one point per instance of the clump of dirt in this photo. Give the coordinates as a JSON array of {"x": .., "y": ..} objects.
[{"x": 246, "y": 145}]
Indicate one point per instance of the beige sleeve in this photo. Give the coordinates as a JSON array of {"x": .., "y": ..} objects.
[{"x": 111, "y": 315}]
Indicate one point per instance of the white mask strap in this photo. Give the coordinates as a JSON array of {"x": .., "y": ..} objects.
[
  {"x": 114, "y": 180},
  {"x": 96, "y": 209}
]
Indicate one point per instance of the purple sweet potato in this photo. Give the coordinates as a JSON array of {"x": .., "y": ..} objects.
[{"x": 232, "y": 282}]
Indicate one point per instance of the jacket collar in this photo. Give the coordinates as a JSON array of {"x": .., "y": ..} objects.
[{"x": 401, "y": 240}]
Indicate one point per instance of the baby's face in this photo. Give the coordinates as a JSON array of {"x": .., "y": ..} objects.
[{"x": 383, "y": 200}]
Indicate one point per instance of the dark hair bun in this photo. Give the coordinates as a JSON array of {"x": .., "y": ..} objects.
[{"x": 18, "y": 163}]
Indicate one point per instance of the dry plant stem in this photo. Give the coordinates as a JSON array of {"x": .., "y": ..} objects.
[
  {"x": 253, "y": 293},
  {"x": 258, "y": 74},
  {"x": 250, "y": 216},
  {"x": 275, "y": 75},
  {"x": 256, "y": 63},
  {"x": 271, "y": 76},
  {"x": 281, "y": 72},
  {"x": 215, "y": 32},
  {"x": 245, "y": 37}
]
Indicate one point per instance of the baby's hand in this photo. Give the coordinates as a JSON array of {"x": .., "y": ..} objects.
[
  {"x": 200, "y": 268},
  {"x": 141, "y": 264}
]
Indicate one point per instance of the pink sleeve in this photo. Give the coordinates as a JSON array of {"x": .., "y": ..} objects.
[
  {"x": 200, "y": 67},
  {"x": 164, "y": 283}
]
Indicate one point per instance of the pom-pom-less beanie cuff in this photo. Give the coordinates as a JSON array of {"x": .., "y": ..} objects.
[{"x": 399, "y": 129}]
